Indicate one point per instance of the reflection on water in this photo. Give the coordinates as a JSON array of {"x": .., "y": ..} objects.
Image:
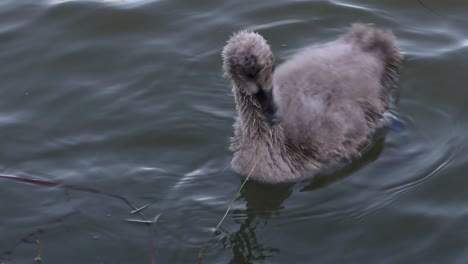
[
  {"x": 262, "y": 203},
  {"x": 265, "y": 201},
  {"x": 369, "y": 156}
]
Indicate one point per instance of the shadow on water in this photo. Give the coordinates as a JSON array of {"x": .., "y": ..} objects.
[
  {"x": 265, "y": 201},
  {"x": 262, "y": 202},
  {"x": 325, "y": 178}
]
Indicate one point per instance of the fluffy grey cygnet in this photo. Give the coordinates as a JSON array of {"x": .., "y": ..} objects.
[{"x": 317, "y": 109}]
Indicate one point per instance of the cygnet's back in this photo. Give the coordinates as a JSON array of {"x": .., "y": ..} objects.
[
  {"x": 316, "y": 109},
  {"x": 331, "y": 97}
]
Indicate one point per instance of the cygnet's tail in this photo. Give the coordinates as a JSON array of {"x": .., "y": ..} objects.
[{"x": 383, "y": 45}]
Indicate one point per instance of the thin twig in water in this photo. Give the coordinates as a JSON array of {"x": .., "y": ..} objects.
[
  {"x": 138, "y": 221},
  {"x": 89, "y": 190},
  {"x": 429, "y": 8},
  {"x": 68, "y": 187},
  {"x": 154, "y": 221},
  {"x": 39, "y": 251},
  {"x": 201, "y": 252},
  {"x": 236, "y": 195},
  {"x": 139, "y": 209},
  {"x": 33, "y": 236}
]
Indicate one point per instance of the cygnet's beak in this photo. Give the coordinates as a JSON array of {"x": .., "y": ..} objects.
[
  {"x": 268, "y": 106},
  {"x": 273, "y": 119}
]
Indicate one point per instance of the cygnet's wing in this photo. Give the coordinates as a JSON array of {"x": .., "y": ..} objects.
[{"x": 331, "y": 97}]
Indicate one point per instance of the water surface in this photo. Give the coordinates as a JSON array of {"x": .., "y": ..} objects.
[{"x": 128, "y": 97}]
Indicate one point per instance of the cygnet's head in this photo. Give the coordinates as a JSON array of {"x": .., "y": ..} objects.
[{"x": 249, "y": 63}]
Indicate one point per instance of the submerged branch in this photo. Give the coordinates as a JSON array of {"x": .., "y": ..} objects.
[{"x": 27, "y": 238}]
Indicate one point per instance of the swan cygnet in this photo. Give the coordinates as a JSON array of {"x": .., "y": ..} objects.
[{"x": 315, "y": 110}]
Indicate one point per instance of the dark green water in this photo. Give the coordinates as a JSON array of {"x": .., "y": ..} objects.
[{"x": 128, "y": 98}]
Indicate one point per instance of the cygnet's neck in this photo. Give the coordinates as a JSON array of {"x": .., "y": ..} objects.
[{"x": 257, "y": 113}]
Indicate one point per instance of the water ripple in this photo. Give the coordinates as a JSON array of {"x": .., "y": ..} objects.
[
  {"x": 275, "y": 24},
  {"x": 114, "y": 2},
  {"x": 350, "y": 5}
]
